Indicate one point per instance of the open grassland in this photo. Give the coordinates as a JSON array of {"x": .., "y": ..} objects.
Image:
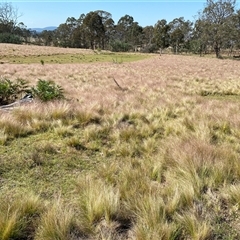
[
  {"x": 28, "y": 54},
  {"x": 156, "y": 158}
]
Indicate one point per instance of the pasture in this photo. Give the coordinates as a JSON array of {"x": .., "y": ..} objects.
[{"x": 146, "y": 147}]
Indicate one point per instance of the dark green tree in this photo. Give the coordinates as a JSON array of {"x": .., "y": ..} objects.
[
  {"x": 78, "y": 36},
  {"x": 148, "y": 41},
  {"x": 94, "y": 29},
  {"x": 162, "y": 34},
  {"x": 148, "y": 35},
  {"x": 128, "y": 33},
  {"x": 135, "y": 35},
  {"x": 236, "y": 33},
  {"x": 199, "y": 41},
  {"x": 180, "y": 34},
  {"x": 109, "y": 31},
  {"x": 215, "y": 23},
  {"x": 63, "y": 35},
  {"x": 123, "y": 27},
  {"x": 48, "y": 37}
]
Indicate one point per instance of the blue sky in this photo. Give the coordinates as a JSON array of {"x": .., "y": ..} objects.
[{"x": 53, "y": 13}]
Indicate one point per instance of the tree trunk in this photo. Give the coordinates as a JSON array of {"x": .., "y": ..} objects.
[
  {"x": 217, "y": 50},
  {"x": 160, "y": 51}
]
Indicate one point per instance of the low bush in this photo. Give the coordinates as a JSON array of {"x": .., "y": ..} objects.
[
  {"x": 118, "y": 46},
  {"x": 10, "y": 90},
  {"x": 47, "y": 90},
  {"x": 151, "y": 48},
  {"x": 10, "y": 38}
]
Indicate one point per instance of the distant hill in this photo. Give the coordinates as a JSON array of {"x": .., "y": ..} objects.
[{"x": 51, "y": 28}]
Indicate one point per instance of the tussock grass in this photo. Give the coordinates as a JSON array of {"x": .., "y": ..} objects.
[
  {"x": 3, "y": 137},
  {"x": 151, "y": 220},
  {"x": 12, "y": 128},
  {"x": 19, "y": 215},
  {"x": 97, "y": 201},
  {"x": 56, "y": 222},
  {"x": 63, "y": 131},
  {"x": 232, "y": 193},
  {"x": 193, "y": 227},
  {"x": 159, "y": 160}
]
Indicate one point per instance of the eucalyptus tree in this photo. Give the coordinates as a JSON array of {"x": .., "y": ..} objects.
[
  {"x": 148, "y": 35},
  {"x": 11, "y": 31},
  {"x": 109, "y": 32},
  {"x": 148, "y": 41},
  {"x": 128, "y": 32},
  {"x": 123, "y": 27},
  {"x": 26, "y": 34},
  {"x": 236, "y": 32},
  {"x": 93, "y": 24},
  {"x": 63, "y": 35},
  {"x": 79, "y": 38},
  {"x": 136, "y": 35},
  {"x": 216, "y": 23},
  {"x": 180, "y": 34},
  {"x": 199, "y": 39},
  {"x": 162, "y": 34},
  {"x": 108, "y": 25},
  {"x": 9, "y": 16},
  {"x": 47, "y": 36}
]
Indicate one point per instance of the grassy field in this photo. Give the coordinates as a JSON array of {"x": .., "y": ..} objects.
[
  {"x": 157, "y": 157},
  {"x": 29, "y": 54}
]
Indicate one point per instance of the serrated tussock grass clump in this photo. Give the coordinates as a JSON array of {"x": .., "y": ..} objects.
[
  {"x": 85, "y": 117},
  {"x": 63, "y": 131},
  {"x": 41, "y": 117},
  {"x": 158, "y": 161},
  {"x": 3, "y": 137},
  {"x": 202, "y": 163},
  {"x": 19, "y": 216},
  {"x": 57, "y": 222},
  {"x": 193, "y": 227},
  {"x": 11, "y": 128},
  {"x": 97, "y": 201}
]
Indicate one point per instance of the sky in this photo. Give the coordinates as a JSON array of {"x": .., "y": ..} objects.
[{"x": 40, "y": 14}]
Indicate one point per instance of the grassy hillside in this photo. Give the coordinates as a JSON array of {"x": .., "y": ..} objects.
[{"x": 139, "y": 150}]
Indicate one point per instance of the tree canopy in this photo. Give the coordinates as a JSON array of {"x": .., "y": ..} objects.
[
  {"x": 217, "y": 27},
  {"x": 216, "y": 24}
]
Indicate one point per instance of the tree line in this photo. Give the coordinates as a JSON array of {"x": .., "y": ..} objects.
[{"x": 216, "y": 28}]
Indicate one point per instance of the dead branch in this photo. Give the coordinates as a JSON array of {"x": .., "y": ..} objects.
[{"x": 118, "y": 84}]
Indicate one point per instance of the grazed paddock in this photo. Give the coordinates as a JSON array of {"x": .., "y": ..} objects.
[
  {"x": 28, "y": 54},
  {"x": 156, "y": 158}
]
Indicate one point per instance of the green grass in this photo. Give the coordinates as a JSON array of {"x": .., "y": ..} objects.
[
  {"x": 43, "y": 163},
  {"x": 76, "y": 58}
]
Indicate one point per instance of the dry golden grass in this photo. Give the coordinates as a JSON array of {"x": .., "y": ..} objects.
[
  {"x": 157, "y": 158},
  {"x": 26, "y": 50},
  {"x": 159, "y": 80}
]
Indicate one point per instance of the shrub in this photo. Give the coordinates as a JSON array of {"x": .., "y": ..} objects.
[
  {"x": 118, "y": 46},
  {"x": 10, "y": 38},
  {"x": 9, "y": 90},
  {"x": 151, "y": 48},
  {"x": 47, "y": 90}
]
